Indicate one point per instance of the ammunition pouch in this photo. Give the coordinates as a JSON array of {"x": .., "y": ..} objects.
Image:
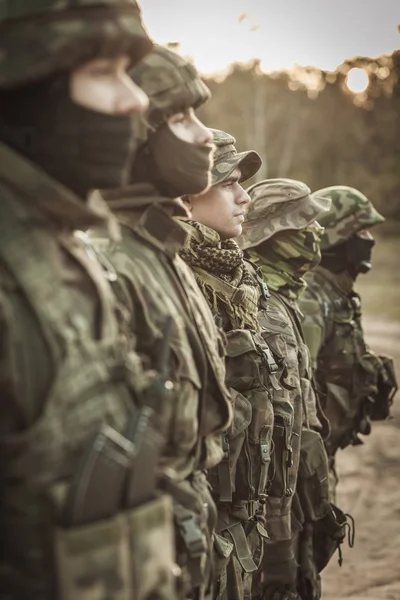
[
  {"x": 221, "y": 556},
  {"x": 129, "y": 556}
]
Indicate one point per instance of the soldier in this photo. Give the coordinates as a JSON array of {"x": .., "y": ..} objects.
[
  {"x": 67, "y": 383},
  {"x": 159, "y": 291},
  {"x": 281, "y": 236},
  {"x": 356, "y": 384},
  {"x": 234, "y": 294}
]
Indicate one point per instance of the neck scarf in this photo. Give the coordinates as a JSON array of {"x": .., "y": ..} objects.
[{"x": 224, "y": 262}]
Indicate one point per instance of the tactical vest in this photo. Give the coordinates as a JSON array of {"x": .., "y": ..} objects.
[
  {"x": 45, "y": 556},
  {"x": 239, "y": 483},
  {"x": 347, "y": 370}
]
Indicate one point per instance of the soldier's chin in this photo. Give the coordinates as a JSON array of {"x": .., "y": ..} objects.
[{"x": 236, "y": 231}]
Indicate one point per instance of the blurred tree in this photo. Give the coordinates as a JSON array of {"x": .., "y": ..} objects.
[{"x": 308, "y": 125}]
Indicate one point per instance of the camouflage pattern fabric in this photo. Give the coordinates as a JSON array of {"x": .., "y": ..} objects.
[
  {"x": 43, "y": 36},
  {"x": 171, "y": 83},
  {"x": 279, "y": 205},
  {"x": 286, "y": 257},
  {"x": 350, "y": 212},
  {"x": 65, "y": 373},
  {"x": 227, "y": 159}
]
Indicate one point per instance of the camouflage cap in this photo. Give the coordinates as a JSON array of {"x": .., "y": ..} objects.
[
  {"x": 279, "y": 205},
  {"x": 39, "y": 37},
  {"x": 350, "y": 211},
  {"x": 171, "y": 83},
  {"x": 227, "y": 158}
]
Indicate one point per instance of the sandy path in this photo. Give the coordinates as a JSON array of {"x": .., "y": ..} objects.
[{"x": 370, "y": 490}]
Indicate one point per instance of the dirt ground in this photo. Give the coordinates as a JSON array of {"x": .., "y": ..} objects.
[{"x": 369, "y": 486}]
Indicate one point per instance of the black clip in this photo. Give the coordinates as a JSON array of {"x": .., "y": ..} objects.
[{"x": 192, "y": 537}]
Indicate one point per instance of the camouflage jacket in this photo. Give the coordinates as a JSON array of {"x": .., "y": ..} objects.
[
  {"x": 157, "y": 285},
  {"x": 346, "y": 369},
  {"x": 65, "y": 374}
]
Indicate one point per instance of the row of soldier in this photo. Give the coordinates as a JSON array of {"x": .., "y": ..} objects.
[{"x": 164, "y": 431}]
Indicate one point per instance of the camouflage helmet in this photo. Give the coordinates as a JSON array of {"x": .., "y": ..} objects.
[
  {"x": 350, "y": 211},
  {"x": 171, "y": 83},
  {"x": 39, "y": 37},
  {"x": 227, "y": 159},
  {"x": 279, "y": 205}
]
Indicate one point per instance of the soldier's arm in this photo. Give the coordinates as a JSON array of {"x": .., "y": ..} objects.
[
  {"x": 25, "y": 369},
  {"x": 314, "y": 325}
]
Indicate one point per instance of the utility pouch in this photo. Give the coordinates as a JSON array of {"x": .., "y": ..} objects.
[{"x": 126, "y": 557}]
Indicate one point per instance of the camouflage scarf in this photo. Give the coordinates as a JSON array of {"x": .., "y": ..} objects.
[
  {"x": 204, "y": 251},
  {"x": 286, "y": 256}
]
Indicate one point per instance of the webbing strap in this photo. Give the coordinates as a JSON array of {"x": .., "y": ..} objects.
[
  {"x": 224, "y": 472},
  {"x": 242, "y": 549}
]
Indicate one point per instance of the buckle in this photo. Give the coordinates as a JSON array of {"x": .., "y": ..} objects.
[
  {"x": 192, "y": 537},
  {"x": 271, "y": 362}
]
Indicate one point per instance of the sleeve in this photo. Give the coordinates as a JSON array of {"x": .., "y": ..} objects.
[
  {"x": 25, "y": 366},
  {"x": 314, "y": 325}
]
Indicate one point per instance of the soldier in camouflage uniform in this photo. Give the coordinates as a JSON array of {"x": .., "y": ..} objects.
[
  {"x": 160, "y": 292},
  {"x": 356, "y": 384},
  {"x": 234, "y": 294},
  {"x": 67, "y": 381},
  {"x": 281, "y": 237}
]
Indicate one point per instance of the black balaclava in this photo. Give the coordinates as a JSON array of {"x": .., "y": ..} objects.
[
  {"x": 353, "y": 256},
  {"x": 81, "y": 148},
  {"x": 177, "y": 168}
]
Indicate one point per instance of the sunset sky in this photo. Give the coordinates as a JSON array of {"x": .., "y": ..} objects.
[{"x": 279, "y": 32}]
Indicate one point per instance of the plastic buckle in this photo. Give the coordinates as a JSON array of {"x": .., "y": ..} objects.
[
  {"x": 192, "y": 537},
  {"x": 271, "y": 362}
]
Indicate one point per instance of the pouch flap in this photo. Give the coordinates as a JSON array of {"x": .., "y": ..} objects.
[{"x": 240, "y": 341}]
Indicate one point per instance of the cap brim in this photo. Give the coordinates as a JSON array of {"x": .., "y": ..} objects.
[
  {"x": 248, "y": 162},
  {"x": 300, "y": 214}
]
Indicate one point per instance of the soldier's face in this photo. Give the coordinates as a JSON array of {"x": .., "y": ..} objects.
[
  {"x": 187, "y": 127},
  {"x": 223, "y": 207},
  {"x": 104, "y": 85}
]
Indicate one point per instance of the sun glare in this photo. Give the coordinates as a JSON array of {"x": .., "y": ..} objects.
[{"x": 357, "y": 80}]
